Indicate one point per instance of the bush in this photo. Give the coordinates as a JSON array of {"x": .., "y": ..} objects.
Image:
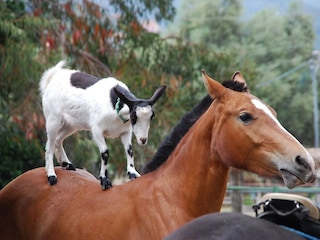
[{"x": 14, "y": 145}]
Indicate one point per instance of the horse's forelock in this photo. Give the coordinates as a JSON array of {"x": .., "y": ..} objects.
[{"x": 235, "y": 85}]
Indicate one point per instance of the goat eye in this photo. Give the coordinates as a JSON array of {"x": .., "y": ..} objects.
[
  {"x": 245, "y": 117},
  {"x": 153, "y": 115}
]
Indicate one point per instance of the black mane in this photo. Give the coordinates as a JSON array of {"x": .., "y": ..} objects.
[
  {"x": 235, "y": 85},
  {"x": 177, "y": 133},
  {"x": 174, "y": 137}
]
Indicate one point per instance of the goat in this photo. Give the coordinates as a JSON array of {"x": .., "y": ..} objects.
[{"x": 73, "y": 101}]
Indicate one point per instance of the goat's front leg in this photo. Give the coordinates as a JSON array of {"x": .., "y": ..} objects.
[
  {"x": 126, "y": 141},
  {"x": 104, "y": 179},
  {"x": 104, "y": 152}
]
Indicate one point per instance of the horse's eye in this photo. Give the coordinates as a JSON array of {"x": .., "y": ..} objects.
[{"x": 245, "y": 117}]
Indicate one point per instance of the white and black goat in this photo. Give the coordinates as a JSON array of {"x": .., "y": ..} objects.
[{"x": 74, "y": 101}]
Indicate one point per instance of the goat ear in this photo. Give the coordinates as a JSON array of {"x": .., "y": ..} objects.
[
  {"x": 125, "y": 96},
  {"x": 157, "y": 94}
]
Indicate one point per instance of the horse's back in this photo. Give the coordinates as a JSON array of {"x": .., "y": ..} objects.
[
  {"x": 74, "y": 208},
  {"x": 22, "y": 212},
  {"x": 228, "y": 226}
]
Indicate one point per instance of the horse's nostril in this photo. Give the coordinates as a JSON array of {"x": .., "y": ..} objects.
[{"x": 302, "y": 162}]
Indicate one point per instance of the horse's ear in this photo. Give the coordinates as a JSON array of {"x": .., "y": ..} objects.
[
  {"x": 213, "y": 87},
  {"x": 125, "y": 96},
  {"x": 157, "y": 94},
  {"x": 237, "y": 76}
]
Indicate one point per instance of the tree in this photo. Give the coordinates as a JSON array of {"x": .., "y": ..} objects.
[
  {"x": 214, "y": 23},
  {"x": 263, "y": 47},
  {"x": 18, "y": 43},
  {"x": 95, "y": 39},
  {"x": 280, "y": 44}
]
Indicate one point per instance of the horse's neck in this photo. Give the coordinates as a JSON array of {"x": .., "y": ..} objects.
[{"x": 196, "y": 177}]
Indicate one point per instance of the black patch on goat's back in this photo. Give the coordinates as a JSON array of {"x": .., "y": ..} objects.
[
  {"x": 83, "y": 80},
  {"x": 235, "y": 85},
  {"x": 177, "y": 133}
]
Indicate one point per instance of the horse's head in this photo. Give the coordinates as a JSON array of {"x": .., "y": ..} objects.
[
  {"x": 249, "y": 136},
  {"x": 141, "y": 112}
]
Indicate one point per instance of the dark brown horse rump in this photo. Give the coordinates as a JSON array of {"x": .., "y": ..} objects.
[{"x": 231, "y": 226}]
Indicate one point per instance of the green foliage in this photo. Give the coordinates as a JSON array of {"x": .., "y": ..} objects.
[
  {"x": 134, "y": 10},
  {"x": 294, "y": 36},
  {"x": 211, "y": 22},
  {"x": 36, "y": 34},
  {"x": 19, "y": 39},
  {"x": 262, "y": 48},
  {"x": 17, "y": 153}
]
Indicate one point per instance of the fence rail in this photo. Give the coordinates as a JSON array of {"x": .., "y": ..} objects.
[{"x": 250, "y": 189}]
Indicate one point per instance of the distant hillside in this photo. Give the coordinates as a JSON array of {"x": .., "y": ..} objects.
[{"x": 310, "y": 7}]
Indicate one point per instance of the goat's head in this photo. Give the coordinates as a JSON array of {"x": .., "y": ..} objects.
[{"x": 141, "y": 112}]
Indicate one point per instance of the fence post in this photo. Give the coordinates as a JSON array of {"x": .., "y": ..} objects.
[{"x": 236, "y": 200}]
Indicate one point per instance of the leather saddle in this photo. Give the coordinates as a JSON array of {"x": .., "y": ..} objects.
[{"x": 292, "y": 211}]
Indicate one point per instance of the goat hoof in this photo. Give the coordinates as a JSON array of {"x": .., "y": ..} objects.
[
  {"x": 68, "y": 166},
  {"x": 52, "y": 180},
  {"x": 105, "y": 183},
  {"x": 132, "y": 176}
]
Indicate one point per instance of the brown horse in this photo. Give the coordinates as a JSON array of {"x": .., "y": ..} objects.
[{"x": 235, "y": 129}]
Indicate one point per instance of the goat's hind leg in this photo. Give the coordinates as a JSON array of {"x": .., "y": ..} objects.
[
  {"x": 52, "y": 177},
  {"x": 51, "y": 128},
  {"x": 61, "y": 155}
]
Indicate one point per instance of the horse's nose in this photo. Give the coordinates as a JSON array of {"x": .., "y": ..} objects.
[
  {"x": 143, "y": 140},
  {"x": 303, "y": 163}
]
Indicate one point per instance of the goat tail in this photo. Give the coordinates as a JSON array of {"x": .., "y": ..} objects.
[{"x": 47, "y": 75}]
